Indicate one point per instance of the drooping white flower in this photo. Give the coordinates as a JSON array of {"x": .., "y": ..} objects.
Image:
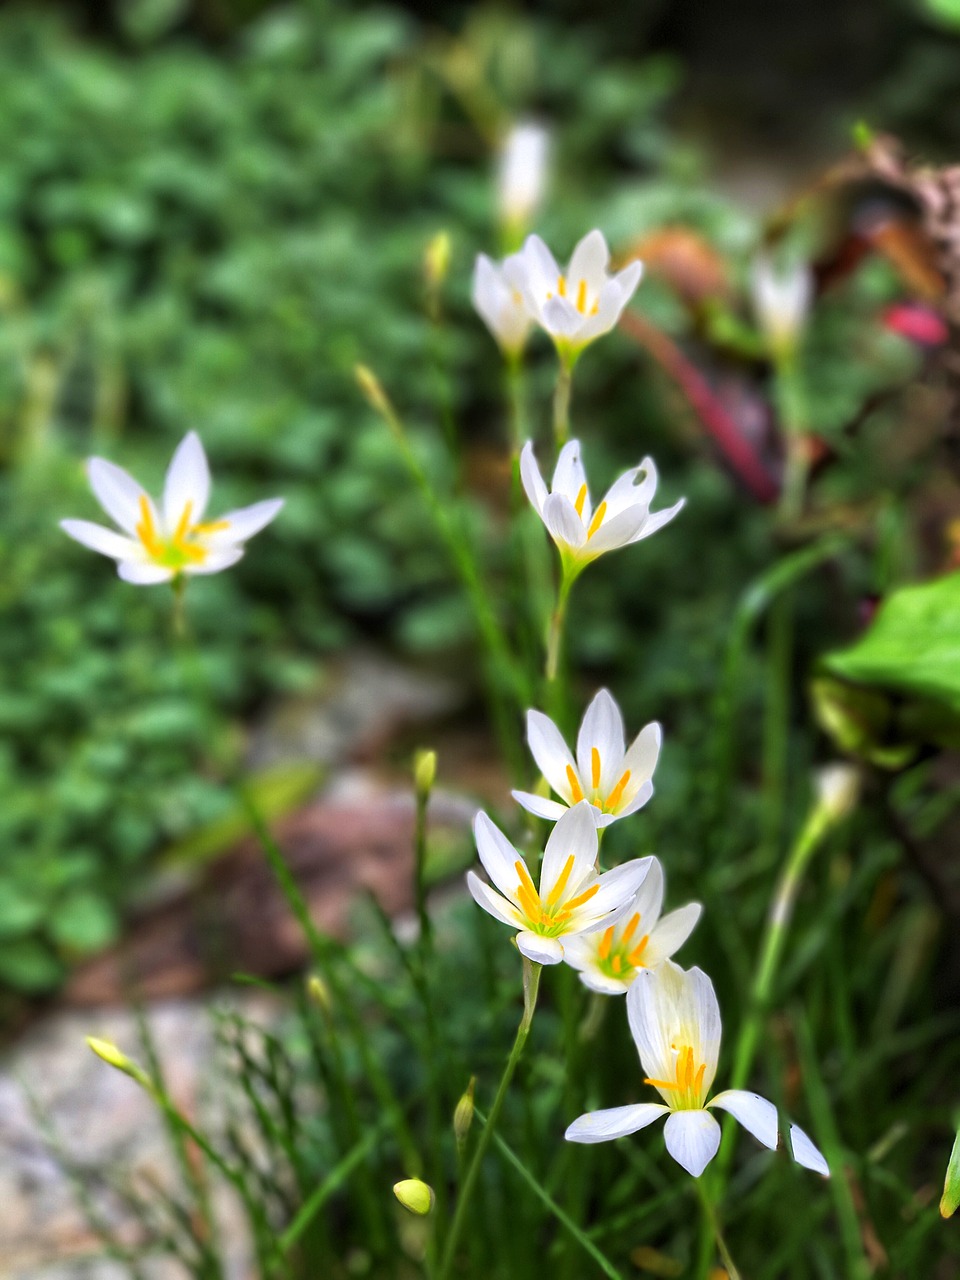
[
  {"x": 522, "y": 173},
  {"x": 642, "y": 939},
  {"x": 579, "y": 304},
  {"x": 501, "y": 305},
  {"x": 161, "y": 541},
  {"x": 616, "y": 781},
  {"x": 782, "y": 297},
  {"x": 675, "y": 1022},
  {"x": 580, "y": 532},
  {"x": 572, "y": 897}
]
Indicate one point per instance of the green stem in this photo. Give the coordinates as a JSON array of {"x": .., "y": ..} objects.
[
  {"x": 561, "y": 404},
  {"x": 513, "y": 375},
  {"x": 555, "y": 630},
  {"x": 776, "y": 723},
  {"x": 713, "y": 1228},
  {"x": 790, "y": 407},
  {"x": 531, "y": 986}
]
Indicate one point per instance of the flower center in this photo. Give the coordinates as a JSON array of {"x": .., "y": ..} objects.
[
  {"x": 621, "y": 957},
  {"x": 581, "y": 299},
  {"x": 181, "y": 549},
  {"x": 550, "y": 919},
  {"x": 688, "y": 1086}
]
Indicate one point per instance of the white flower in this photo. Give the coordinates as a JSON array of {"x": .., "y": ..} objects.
[
  {"x": 675, "y": 1022},
  {"x": 781, "y": 299},
  {"x": 501, "y": 305},
  {"x": 522, "y": 172},
  {"x": 158, "y": 544},
  {"x": 641, "y": 939},
  {"x": 580, "y": 532},
  {"x": 572, "y": 897},
  {"x": 578, "y": 305},
  {"x": 615, "y": 781}
]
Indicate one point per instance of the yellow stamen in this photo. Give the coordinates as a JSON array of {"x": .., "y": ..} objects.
[
  {"x": 582, "y": 296},
  {"x": 562, "y": 287},
  {"x": 183, "y": 525},
  {"x": 526, "y": 882},
  {"x": 581, "y": 898},
  {"x": 631, "y": 926},
  {"x": 634, "y": 958},
  {"x": 597, "y": 520},
  {"x": 616, "y": 964},
  {"x": 595, "y": 308},
  {"x": 576, "y": 790},
  {"x": 581, "y": 499},
  {"x": 212, "y": 526},
  {"x": 616, "y": 795},
  {"x": 530, "y": 903},
  {"x": 661, "y": 1084},
  {"x": 556, "y": 893},
  {"x": 595, "y": 767},
  {"x": 698, "y": 1082},
  {"x": 146, "y": 530},
  {"x": 606, "y": 942}
]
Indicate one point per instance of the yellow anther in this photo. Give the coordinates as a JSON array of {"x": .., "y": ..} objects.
[
  {"x": 636, "y": 955},
  {"x": 606, "y": 942},
  {"x": 581, "y": 499},
  {"x": 616, "y": 964},
  {"x": 576, "y": 791},
  {"x": 521, "y": 869},
  {"x": 562, "y": 287},
  {"x": 582, "y": 296},
  {"x": 595, "y": 308},
  {"x": 616, "y": 795},
  {"x": 631, "y": 927},
  {"x": 556, "y": 893},
  {"x": 594, "y": 767},
  {"x": 530, "y": 903},
  {"x": 661, "y": 1084},
  {"x": 581, "y": 898},
  {"x": 146, "y": 530},
  {"x": 698, "y": 1082},
  {"x": 212, "y": 526},
  {"x": 183, "y": 525},
  {"x": 597, "y": 520}
]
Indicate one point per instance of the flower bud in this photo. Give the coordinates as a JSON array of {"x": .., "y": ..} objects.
[
  {"x": 424, "y": 771},
  {"x": 112, "y": 1056},
  {"x": 522, "y": 172},
  {"x": 436, "y": 260},
  {"x": 837, "y": 788},
  {"x": 371, "y": 388},
  {"x": 414, "y": 1195},
  {"x": 782, "y": 300},
  {"x": 319, "y": 993},
  {"x": 463, "y": 1115}
]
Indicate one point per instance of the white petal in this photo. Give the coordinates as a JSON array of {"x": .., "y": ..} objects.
[
  {"x": 657, "y": 519},
  {"x": 644, "y": 793},
  {"x": 533, "y": 484},
  {"x": 596, "y": 980},
  {"x": 601, "y": 729},
  {"x": 626, "y": 492},
  {"x": 560, "y": 318},
  {"x": 614, "y": 1122},
  {"x": 643, "y": 753},
  {"x": 497, "y": 303},
  {"x": 118, "y": 493},
  {"x": 497, "y": 854},
  {"x": 540, "y": 269},
  {"x": 550, "y": 753},
  {"x": 188, "y": 480},
  {"x": 542, "y": 808},
  {"x": 706, "y": 1013},
  {"x": 756, "y": 1114},
  {"x": 575, "y": 835},
  {"x": 142, "y": 573},
  {"x": 564, "y": 525},
  {"x": 671, "y": 933},
  {"x": 609, "y": 301},
  {"x": 540, "y": 950},
  {"x": 245, "y": 521},
  {"x": 649, "y": 899},
  {"x": 805, "y": 1153},
  {"x": 493, "y": 903},
  {"x": 618, "y": 531},
  {"x": 652, "y": 1005},
  {"x": 692, "y": 1139},
  {"x": 628, "y": 279},
  {"x": 588, "y": 262},
  {"x": 569, "y": 476},
  {"x": 216, "y": 560},
  {"x": 97, "y": 538},
  {"x": 617, "y": 891}
]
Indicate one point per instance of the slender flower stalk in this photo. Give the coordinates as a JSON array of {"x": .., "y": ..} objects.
[
  {"x": 531, "y": 987},
  {"x": 561, "y": 404}
]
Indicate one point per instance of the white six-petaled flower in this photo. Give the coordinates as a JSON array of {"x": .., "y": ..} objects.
[
  {"x": 579, "y": 304},
  {"x": 158, "y": 543},
  {"x": 610, "y": 961},
  {"x": 580, "y": 532},
  {"x": 500, "y": 305},
  {"x": 571, "y": 899},
  {"x": 675, "y": 1022},
  {"x": 616, "y": 781}
]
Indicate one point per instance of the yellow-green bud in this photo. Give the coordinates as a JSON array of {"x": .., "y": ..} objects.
[
  {"x": 436, "y": 260},
  {"x": 463, "y": 1115},
  {"x": 371, "y": 388},
  {"x": 424, "y": 771},
  {"x": 113, "y": 1057},
  {"x": 414, "y": 1195},
  {"x": 319, "y": 993}
]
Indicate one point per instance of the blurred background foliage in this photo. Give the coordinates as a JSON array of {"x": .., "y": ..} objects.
[{"x": 208, "y": 213}]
